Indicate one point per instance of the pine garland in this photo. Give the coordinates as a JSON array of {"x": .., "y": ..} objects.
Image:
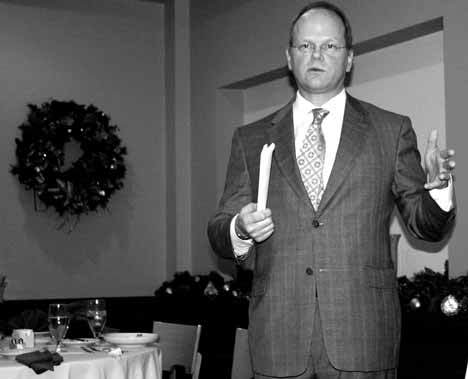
[
  {"x": 434, "y": 292},
  {"x": 427, "y": 292}
]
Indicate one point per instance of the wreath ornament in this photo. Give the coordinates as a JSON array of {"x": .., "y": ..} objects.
[{"x": 71, "y": 188}]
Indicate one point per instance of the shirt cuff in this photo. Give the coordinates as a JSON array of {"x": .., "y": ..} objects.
[
  {"x": 443, "y": 196},
  {"x": 239, "y": 246}
]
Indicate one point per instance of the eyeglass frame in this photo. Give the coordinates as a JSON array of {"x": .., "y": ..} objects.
[{"x": 309, "y": 47}]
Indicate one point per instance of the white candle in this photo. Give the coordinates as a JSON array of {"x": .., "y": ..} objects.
[{"x": 264, "y": 175}]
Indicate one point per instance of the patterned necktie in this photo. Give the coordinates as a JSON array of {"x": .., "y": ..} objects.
[{"x": 312, "y": 157}]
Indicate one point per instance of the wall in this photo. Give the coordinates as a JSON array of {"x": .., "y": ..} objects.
[
  {"x": 109, "y": 53},
  {"x": 250, "y": 40}
]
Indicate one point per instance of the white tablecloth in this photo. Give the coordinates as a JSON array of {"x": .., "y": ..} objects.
[{"x": 138, "y": 363}]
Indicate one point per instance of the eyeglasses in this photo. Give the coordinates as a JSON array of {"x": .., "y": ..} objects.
[{"x": 308, "y": 47}]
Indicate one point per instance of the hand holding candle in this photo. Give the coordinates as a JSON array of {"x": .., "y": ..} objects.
[{"x": 254, "y": 220}]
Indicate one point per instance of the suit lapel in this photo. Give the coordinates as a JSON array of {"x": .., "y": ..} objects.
[
  {"x": 282, "y": 134},
  {"x": 353, "y": 136}
]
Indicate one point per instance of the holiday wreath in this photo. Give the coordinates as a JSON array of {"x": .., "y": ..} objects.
[{"x": 85, "y": 184}]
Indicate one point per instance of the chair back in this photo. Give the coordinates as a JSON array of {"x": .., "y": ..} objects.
[
  {"x": 241, "y": 363},
  {"x": 196, "y": 370},
  {"x": 179, "y": 346}
]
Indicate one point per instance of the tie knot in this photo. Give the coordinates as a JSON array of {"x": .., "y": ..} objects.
[{"x": 319, "y": 115}]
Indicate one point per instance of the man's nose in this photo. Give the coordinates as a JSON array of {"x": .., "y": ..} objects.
[{"x": 317, "y": 53}]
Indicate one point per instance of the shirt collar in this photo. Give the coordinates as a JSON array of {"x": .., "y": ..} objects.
[{"x": 336, "y": 103}]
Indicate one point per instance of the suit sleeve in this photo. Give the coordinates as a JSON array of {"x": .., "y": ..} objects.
[
  {"x": 423, "y": 217},
  {"x": 237, "y": 193}
]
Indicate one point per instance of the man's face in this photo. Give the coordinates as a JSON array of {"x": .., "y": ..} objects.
[{"x": 319, "y": 73}]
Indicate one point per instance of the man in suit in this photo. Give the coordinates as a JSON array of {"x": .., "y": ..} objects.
[{"x": 324, "y": 300}]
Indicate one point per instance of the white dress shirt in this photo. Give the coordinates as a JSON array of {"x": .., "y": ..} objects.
[
  {"x": 331, "y": 127},
  {"x": 331, "y": 130}
]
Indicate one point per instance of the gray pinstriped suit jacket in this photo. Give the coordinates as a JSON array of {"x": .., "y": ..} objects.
[{"x": 345, "y": 243}]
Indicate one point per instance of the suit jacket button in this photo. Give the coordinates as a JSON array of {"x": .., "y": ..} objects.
[
  {"x": 309, "y": 271},
  {"x": 315, "y": 223}
]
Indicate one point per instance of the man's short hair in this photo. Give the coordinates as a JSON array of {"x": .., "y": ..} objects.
[{"x": 348, "y": 35}]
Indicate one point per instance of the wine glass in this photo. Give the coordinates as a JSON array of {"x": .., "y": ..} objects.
[
  {"x": 59, "y": 321},
  {"x": 97, "y": 315}
]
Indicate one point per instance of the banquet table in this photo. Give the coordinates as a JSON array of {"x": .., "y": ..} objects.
[{"x": 143, "y": 362}]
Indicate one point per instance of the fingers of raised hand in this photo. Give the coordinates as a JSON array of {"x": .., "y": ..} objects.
[
  {"x": 432, "y": 140},
  {"x": 439, "y": 163},
  {"x": 447, "y": 162},
  {"x": 435, "y": 184},
  {"x": 448, "y": 165},
  {"x": 441, "y": 181},
  {"x": 447, "y": 153}
]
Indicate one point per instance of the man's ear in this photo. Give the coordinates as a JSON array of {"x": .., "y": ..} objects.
[
  {"x": 350, "y": 59},
  {"x": 288, "y": 57}
]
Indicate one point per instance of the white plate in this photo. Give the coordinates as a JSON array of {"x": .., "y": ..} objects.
[
  {"x": 130, "y": 340},
  {"x": 11, "y": 353},
  {"x": 79, "y": 341}
]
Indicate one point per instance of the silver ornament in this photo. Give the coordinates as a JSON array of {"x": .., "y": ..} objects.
[
  {"x": 415, "y": 303},
  {"x": 450, "y": 306}
]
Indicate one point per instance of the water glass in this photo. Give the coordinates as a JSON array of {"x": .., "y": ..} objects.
[
  {"x": 96, "y": 314},
  {"x": 59, "y": 322}
]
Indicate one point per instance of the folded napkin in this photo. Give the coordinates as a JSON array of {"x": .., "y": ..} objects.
[{"x": 40, "y": 361}]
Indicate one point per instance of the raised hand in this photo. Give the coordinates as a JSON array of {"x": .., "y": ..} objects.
[{"x": 439, "y": 164}]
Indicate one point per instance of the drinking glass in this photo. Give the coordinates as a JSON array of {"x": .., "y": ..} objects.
[
  {"x": 97, "y": 315},
  {"x": 59, "y": 321}
]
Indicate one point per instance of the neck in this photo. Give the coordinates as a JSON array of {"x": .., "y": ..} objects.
[{"x": 318, "y": 99}]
